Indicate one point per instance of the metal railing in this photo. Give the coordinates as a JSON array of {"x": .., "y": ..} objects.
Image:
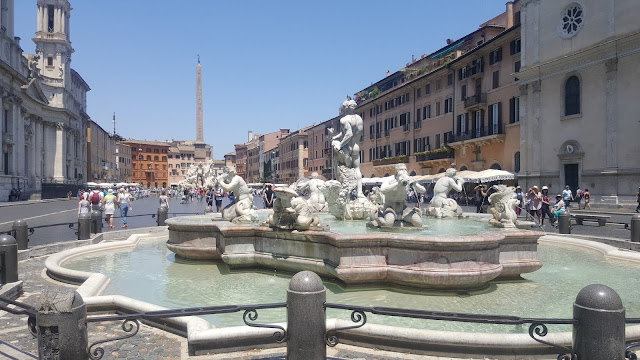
[
  {"x": 475, "y": 100},
  {"x": 494, "y": 129},
  {"x": 436, "y": 155}
]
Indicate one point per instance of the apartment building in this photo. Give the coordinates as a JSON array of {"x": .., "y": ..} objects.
[
  {"x": 182, "y": 155},
  {"x": 101, "y": 154},
  {"x": 271, "y": 158},
  {"x": 320, "y": 154},
  {"x": 230, "y": 159},
  {"x": 294, "y": 152},
  {"x": 266, "y": 143},
  {"x": 149, "y": 162},
  {"x": 410, "y": 116},
  {"x": 123, "y": 160}
]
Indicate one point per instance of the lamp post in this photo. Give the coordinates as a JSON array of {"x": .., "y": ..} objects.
[{"x": 140, "y": 162}]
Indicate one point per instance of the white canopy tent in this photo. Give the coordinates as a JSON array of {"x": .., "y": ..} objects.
[{"x": 467, "y": 175}]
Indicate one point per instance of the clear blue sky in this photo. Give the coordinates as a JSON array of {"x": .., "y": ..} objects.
[{"x": 266, "y": 64}]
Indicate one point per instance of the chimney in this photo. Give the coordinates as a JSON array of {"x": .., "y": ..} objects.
[
  {"x": 449, "y": 41},
  {"x": 388, "y": 73},
  {"x": 250, "y": 136},
  {"x": 509, "y": 14}
]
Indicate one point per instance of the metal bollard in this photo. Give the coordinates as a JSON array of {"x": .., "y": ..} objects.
[
  {"x": 564, "y": 223},
  {"x": 600, "y": 330},
  {"x": 84, "y": 226},
  {"x": 96, "y": 221},
  {"x": 61, "y": 324},
  {"x": 306, "y": 317},
  {"x": 21, "y": 232},
  {"x": 163, "y": 214},
  {"x": 635, "y": 228},
  {"x": 8, "y": 259}
]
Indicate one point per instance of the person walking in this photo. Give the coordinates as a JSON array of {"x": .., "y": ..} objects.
[
  {"x": 109, "y": 203},
  {"x": 535, "y": 203},
  {"x": 83, "y": 205},
  {"x": 638, "y": 200},
  {"x": 124, "y": 199},
  {"x": 163, "y": 199},
  {"x": 268, "y": 197},
  {"x": 519, "y": 197},
  {"x": 481, "y": 194},
  {"x": 219, "y": 194},
  {"x": 567, "y": 196},
  {"x": 546, "y": 207},
  {"x": 578, "y": 197},
  {"x": 587, "y": 199},
  {"x": 209, "y": 198},
  {"x": 95, "y": 197}
]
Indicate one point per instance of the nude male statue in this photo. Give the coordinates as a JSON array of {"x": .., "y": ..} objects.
[
  {"x": 395, "y": 195},
  {"x": 242, "y": 208},
  {"x": 441, "y": 205},
  {"x": 345, "y": 143}
]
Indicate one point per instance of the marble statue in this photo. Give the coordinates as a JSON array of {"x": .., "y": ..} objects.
[
  {"x": 292, "y": 212},
  {"x": 503, "y": 206},
  {"x": 242, "y": 209},
  {"x": 34, "y": 72},
  {"x": 394, "y": 212},
  {"x": 313, "y": 186},
  {"x": 201, "y": 174},
  {"x": 347, "y": 155},
  {"x": 376, "y": 197},
  {"x": 345, "y": 143},
  {"x": 441, "y": 206}
]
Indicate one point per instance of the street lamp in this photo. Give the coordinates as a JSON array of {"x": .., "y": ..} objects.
[{"x": 140, "y": 162}]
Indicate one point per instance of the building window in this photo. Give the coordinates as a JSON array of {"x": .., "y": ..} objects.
[
  {"x": 572, "y": 96},
  {"x": 495, "y": 56},
  {"x": 155, "y": 158},
  {"x": 572, "y": 20},
  {"x": 438, "y": 84},
  {"x": 450, "y": 79},
  {"x": 514, "y": 47},
  {"x": 148, "y": 157},
  {"x": 50, "y": 17},
  {"x": 514, "y": 110},
  {"x": 516, "y": 162},
  {"x": 438, "y": 108},
  {"x": 516, "y": 66},
  {"x": 418, "y": 93},
  {"x": 426, "y": 112},
  {"x": 427, "y": 89},
  {"x": 496, "y": 79},
  {"x": 448, "y": 105},
  {"x": 463, "y": 92}
]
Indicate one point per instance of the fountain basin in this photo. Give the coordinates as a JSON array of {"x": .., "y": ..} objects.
[{"x": 464, "y": 262}]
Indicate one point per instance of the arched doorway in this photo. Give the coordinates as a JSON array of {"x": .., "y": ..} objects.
[
  {"x": 441, "y": 170},
  {"x": 464, "y": 168},
  {"x": 164, "y": 185},
  {"x": 496, "y": 166},
  {"x": 413, "y": 173}
]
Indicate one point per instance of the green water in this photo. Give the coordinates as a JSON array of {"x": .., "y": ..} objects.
[{"x": 152, "y": 274}]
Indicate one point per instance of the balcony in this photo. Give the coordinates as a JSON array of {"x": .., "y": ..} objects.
[
  {"x": 495, "y": 129},
  {"x": 326, "y": 150},
  {"x": 444, "y": 153},
  {"x": 326, "y": 171},
  {"x": 476, "y": 100},
  {"x": 391, "y": 160},
  {"x": 476, "y": 69}
]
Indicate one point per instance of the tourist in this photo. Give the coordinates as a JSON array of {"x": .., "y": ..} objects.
[
  {"x": 231, "y": 197},
  {"x": 219, "y": 195},
  {"x": 481, "y": 194},
  {"x": 520, "y": 198},
  {"x": 96, "y": 199},
  {"x": 546, "y": 207},
  {"x": 587, "y": 199},
  {"x": 567, "y": 196},
  {"x": 535, "y": 203},
  {"x": 578, "y": 197},
  {"x": 83, "y": 205},
  {"x": 124, "y": 199},
  {"x": 209, "y": 198},
  {"x": 109, "y": 205},
  {"x": 558, "y": 207},
  {"x": 164, "y": 200},
  {"x": 268, "y": 197},
  {"x": 637, "y": 200}
]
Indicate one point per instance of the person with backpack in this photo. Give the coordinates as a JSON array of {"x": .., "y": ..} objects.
[{"x": 95, "y": 198}]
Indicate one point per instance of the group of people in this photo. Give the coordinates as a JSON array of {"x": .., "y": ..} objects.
[
  {"x": 106, "y": 201},
  {"x": 539, "y": 204}
]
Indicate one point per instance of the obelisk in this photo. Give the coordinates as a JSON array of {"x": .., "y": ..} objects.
[{"x": 199, "y": 127}]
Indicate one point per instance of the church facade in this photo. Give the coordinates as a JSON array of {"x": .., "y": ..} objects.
[{"x": 43, "y": 105}]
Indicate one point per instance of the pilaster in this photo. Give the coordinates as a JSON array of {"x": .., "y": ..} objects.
[
  {"x": 611, "y": 99},
  {"x": 60, "y": 161}
]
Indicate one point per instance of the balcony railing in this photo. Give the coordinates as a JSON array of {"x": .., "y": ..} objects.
[
  {"x": 436, "y": 155},
  {"x": 327, "y": 150},
  {"x": 475, "y": 100},
  {"x": 326, "y": 171},
  {"x": 494, "y": 129},
  {"x": 391, "y": 160}
]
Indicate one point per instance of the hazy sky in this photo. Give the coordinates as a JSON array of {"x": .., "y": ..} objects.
[{"x": 265, "y": 64}]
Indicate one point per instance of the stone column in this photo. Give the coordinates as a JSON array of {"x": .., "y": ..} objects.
[
  {"x": 306, "y": 318},
  {"x": 45, "y": 19},
  {"x": 60, "y": 161},
  {"x": 39, "y": 25},
  {"x": 600, "y": 331}
]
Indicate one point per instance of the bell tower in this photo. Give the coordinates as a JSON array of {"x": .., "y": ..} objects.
[{"x": 53, "y": 43}]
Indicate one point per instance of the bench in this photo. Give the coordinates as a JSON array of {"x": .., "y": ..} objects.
[{"x": 601, "y": 219}]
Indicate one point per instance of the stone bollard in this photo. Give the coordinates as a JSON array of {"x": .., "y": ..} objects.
[
  {"x": 21, "y": 232},
  {"x": 635, "y": 228},
  {"x": 306, "y": 318},
  {"x": 61, "y": 323},
  {"x": 564, "y": 223},
  {"x": 208, "y": 210},
  {"x": 96, "y": 221},
  {"x": 163, "y": 214},
  {"x": 600, "y": 331},
  {"x": 84, "y": 226},
  {"x": 8, "y": 259}
]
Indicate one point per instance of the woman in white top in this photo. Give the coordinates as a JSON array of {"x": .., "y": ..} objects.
[
  {"x": 124, "y": 199},
  {"x": 558, "y": 207},
  {"x": 109, "y": 203},
  {"x": 83, "y": 206},
  {"x": 163, "y": 199}
]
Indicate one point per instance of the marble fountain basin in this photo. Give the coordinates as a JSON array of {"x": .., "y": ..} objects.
[{"x": 418, "y": 259}]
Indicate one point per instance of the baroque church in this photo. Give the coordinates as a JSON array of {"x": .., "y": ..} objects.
[{"x": 43, "y": 102}]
